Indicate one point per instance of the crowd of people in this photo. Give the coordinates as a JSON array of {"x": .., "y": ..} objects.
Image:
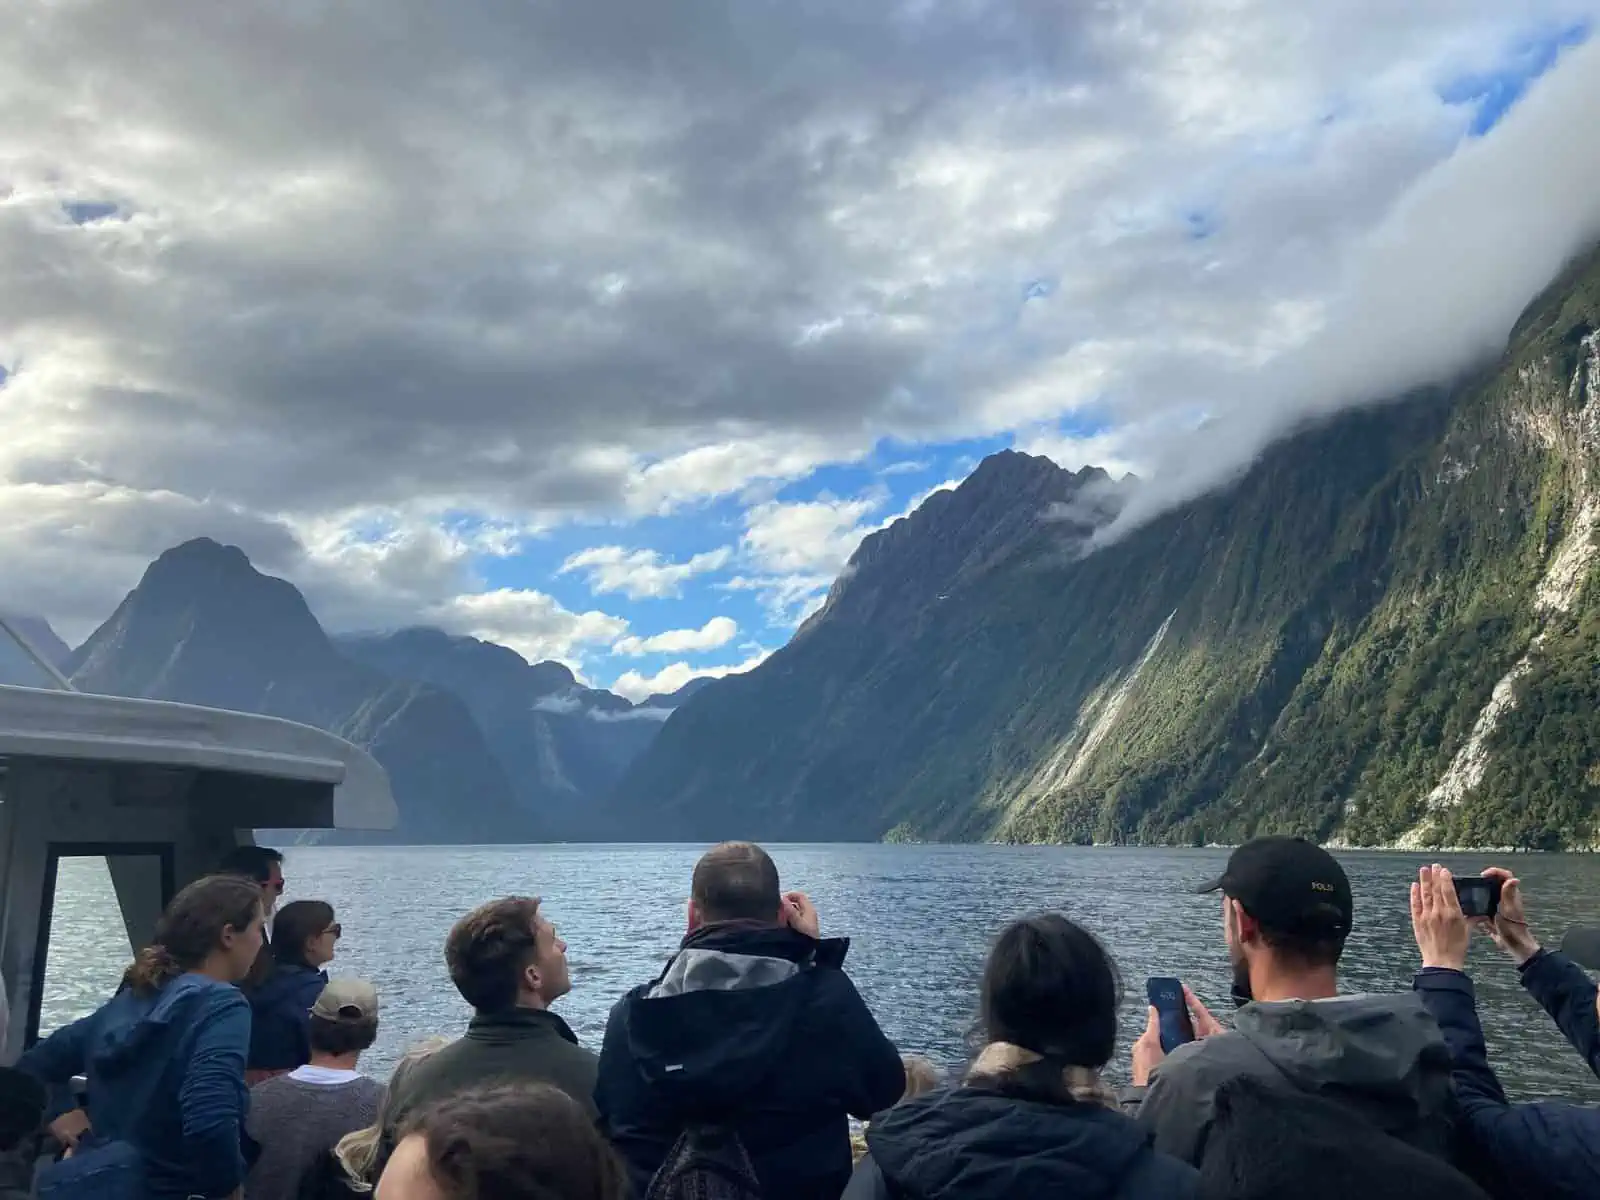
[{"x": 228, "y": 1064}]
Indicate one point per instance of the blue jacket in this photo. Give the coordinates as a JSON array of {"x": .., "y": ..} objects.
[
  {"x": 166, "y": 1075},
  {"x": 280, "y": 1033},
  {"x": 1565, "y": 991},
  {"x": 1541, "y": 1149}
]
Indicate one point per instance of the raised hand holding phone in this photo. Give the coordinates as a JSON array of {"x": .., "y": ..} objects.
[
  {"x": 1197, "y": 1021},
  {"x": 1166, "y": 995}
]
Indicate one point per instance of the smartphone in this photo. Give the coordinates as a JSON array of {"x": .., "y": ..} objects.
[
  {"x": 1166, "y": 997},
  {"x": 1480, "y": 897}
]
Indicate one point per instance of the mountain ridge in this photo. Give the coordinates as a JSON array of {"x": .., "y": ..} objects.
[
  {"x": 203, "y": 626},
  {"x": 1307, "y": 650}
]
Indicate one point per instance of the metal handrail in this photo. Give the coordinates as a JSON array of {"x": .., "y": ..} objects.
[{"x": 32, "y": 651}]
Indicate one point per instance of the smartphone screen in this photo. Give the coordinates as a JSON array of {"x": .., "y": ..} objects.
[
  {"x": 1479, "y": 897},
  {"x": 1166, "y": 997}
]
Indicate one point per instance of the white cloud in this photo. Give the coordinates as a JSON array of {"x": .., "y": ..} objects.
[
  {"x": 636, "y": 686},
  {"x": 492, "y": 267},
  {"x": 641, "y": 574},
  {"x": 1112, "y": 451},
  {"x": 563, "y": 704},
  {"x": 815, "y": 537},
  {"x": 530, "y": 622},
  {"x": 713, "y": 635}
]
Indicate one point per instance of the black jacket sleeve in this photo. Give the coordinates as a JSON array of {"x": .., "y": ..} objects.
[
  {"x": 1565, "y": 991},
  {"x": 1545, "y": 1149},
  {"x": 875, "y": 1076}
]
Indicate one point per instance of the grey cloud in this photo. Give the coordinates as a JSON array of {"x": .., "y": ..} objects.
[{"x": 501, "y": 258}]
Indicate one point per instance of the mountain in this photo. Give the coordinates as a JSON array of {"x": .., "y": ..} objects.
[
  {"x": 16, "y": 666},
  {"x": 205, "y": 627},
  {"x": 671, "y": 701},
  {"x": 561, "y": 745},
  {"x": 1388, "y": 630}
]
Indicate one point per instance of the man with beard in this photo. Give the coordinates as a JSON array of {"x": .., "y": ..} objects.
[{"x": 1286, "y": 912}]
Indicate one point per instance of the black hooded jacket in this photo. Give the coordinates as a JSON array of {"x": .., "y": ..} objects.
[
  {"x": 756, "y": 1027},
  {"x": 974, "y": 1143}
]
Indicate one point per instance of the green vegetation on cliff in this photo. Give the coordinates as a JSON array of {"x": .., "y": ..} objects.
[{"x": 1388, "y": 630}]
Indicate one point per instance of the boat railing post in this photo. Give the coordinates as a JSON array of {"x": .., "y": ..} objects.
[{"x": 32, "y": 651}]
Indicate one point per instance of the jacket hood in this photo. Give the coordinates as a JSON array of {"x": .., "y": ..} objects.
[
  {"x": 707, "y": 1032},
  {"x": 133, "y": 1022},
  {"x": 1379, "y": 1046},
  {"x": 970, "y": 1141}
]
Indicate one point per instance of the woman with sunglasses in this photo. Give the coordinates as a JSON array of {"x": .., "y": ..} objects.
[{"x": 305, "y": 937}]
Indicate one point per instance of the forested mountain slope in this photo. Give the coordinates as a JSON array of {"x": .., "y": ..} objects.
[{"x": 1387, "y": 630}]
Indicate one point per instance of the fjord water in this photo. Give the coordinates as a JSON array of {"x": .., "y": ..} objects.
[{"x": 919, "y": 919}]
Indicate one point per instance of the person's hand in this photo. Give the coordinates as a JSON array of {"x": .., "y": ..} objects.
[
  {"x": 1509, "y": 928},
  {"x": 1147, "y": 1051},
  {"x": 68, "y": 1128},
  {"x": 800, "y": 915},
  {"x": 1436, "y": 918}
]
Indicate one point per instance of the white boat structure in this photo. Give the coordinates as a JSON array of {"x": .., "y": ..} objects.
[{"x": 162, "y": 791}]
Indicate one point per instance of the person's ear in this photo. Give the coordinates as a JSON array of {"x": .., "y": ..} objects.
[
  {"x": 694, "y": 917},
  {"x": 532, "y": 980},
  {"x": 1247, "y": 927}
]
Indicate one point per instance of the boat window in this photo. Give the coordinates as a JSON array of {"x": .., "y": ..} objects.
[{"x": 88, "y": 943}]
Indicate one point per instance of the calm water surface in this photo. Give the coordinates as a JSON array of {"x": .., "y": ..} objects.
[{"x": 919, "y": 919}]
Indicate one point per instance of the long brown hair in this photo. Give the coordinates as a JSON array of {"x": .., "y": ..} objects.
[
  {"x": 192, "y": 927},
  {"x": 294, "y": 926}
]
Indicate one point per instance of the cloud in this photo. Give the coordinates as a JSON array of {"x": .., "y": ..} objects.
[
  {"x": 530, "y": 622},
  {"x": 715, "y": 634},
  {"x": 527, "y": 265},
  {"x": 1430, "y": 290},
  {"x": 636, "y": 686},
  {"x": 795, "y": 550},
  {"x": 607, "y": 717},
  {"x": 640, "y": 574},
  {"x": 563, "y": 704},
  {"x": 809, "y": 537}
]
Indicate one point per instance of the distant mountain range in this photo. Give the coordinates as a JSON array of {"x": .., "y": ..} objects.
[
  {"x": 480, "y": 745},
  {"x": 1388, "y": 631}
]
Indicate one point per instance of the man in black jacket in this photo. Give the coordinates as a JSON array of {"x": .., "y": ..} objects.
[{"x": 752, "y": 1024}]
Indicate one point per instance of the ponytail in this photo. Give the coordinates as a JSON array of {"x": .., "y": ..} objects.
[
  {"x": 192, "y": 927},
  {"x": 152, "y": 970}
]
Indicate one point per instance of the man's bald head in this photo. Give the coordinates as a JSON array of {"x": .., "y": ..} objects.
[{"x": 736, "y": 881}]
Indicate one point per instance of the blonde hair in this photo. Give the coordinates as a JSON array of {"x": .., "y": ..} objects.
[
  {"x": 358, "y": 1152},
  {"x": 921, "y": 1076},
  {"x": 1003, "y": 1062}
]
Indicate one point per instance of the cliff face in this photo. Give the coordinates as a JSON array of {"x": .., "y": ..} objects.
[
  {"x": 205, "y": 627},
  {"x": 1387, "y": 629}
]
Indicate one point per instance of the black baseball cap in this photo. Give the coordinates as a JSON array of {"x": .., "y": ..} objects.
[{"x": 1290, "y": 886}]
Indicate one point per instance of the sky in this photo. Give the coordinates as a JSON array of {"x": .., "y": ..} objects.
[{"x": 606, "y": 331}]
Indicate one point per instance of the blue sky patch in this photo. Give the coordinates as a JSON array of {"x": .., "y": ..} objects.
[{"x": 1493, "y": 93}]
